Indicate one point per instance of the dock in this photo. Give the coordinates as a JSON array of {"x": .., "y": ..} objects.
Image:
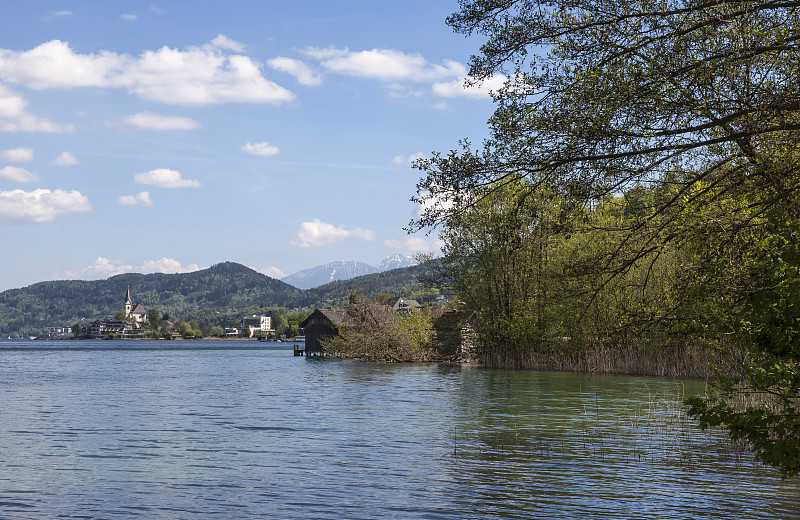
[{"x": 299, "y": 350}]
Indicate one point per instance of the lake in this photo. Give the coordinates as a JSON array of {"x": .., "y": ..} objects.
[{"x": 113, "y": 429}]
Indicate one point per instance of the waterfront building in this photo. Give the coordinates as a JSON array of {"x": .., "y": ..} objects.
[
  {"x": 257, "y": 324},
  {"x": 321, "y": 324}
]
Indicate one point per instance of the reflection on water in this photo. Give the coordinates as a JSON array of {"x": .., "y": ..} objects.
[{"x": 194, "y": 433}]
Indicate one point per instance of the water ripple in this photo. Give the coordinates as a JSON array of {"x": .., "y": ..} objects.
[{"x": 149, "y": 433}]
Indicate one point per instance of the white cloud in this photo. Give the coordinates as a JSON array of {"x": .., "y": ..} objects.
[
  {"x": 264, "y": 149},
  {"x": 40, "y": 205},
  {"x": 298, "y": 69},
  {"x": 17, "y": 154},
  {"x": 458, "y": 88},
  {"x": 403, "y": 159},
  {"x": 15, "y": 118},
  {"x": 442, "y": 105},
  {"x": 129, "y": 17},
  {"x": 384, "y": 64},
  {"x": 413, "y": 245},
  {"x": 167, "y": 265},
  {"x": 316, "y": 233},
  {"x": 272, "y": 272},
  {"x": 140, "y": 199},
  {"x": 104, "y": 268},
  {"x": 194, "y": 76},
  {"x": 201, "y": 77},
  {"x": 65, "y": 159},
  {"x": 54, "y": 65},
  {"x": 12, "y": 173},
  {"x": 165, "y": 178},
  {"x": 56, "y": 14},
  {"x": 223, "y": 42},
  {"x": 152, "y": 121},
  {"x": 442, "y": 200}
]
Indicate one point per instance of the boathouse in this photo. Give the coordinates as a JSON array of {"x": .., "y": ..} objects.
[
  {"x": 455, "y": 334},
  {"x": 320, "y": 325}
]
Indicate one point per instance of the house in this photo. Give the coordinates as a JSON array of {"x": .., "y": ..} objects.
[
  {"x": 405, "y": 307},
  {"x": 320, "y": 325},
  {"x": 256, "y": 324},
  {"x": 103, "y": 328},
  {"x": 58, "y": 332}
]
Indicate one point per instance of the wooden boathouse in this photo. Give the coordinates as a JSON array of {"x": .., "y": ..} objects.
[{"x": 320, "y": 325}]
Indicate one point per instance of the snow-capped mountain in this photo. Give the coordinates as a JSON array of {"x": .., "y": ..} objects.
[
  {"x": 322, "y": 274},
  {"x": 344, "y": 270},
  {"x": 395, "y": 261}
]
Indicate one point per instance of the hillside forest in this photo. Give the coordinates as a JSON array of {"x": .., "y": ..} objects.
[{"x": 215, "y": 297}]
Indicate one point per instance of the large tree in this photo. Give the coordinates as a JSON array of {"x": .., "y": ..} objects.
[{"x": 699, "y": 98}]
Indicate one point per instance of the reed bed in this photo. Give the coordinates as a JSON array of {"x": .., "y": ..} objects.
[
  {"x": 656, "y": 431},
  {"x": 651, "y": 359}
]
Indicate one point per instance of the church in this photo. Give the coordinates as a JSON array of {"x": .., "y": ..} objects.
[{"x": 136, "y": 312}]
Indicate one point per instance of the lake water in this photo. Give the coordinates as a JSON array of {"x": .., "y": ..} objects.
[{"x": 203, "y": 430}]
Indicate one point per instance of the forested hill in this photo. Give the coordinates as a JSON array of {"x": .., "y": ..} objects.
[{"x": 225, "y": 288}]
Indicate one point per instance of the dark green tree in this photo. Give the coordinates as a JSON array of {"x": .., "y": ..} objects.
[
  {"x": 153, "y": 319},
  {"x": 698, "y": 100}
]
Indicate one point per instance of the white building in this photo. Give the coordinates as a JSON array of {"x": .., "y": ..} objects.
[{"x": 257, "y": 324}]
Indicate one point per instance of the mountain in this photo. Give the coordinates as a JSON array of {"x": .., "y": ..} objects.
[
  {"x": 396, "y": 261},
  {"x": 397, "y": 282},
  {"x": 61, "y": 303},
  {"x": 345, "y": 270},
  {"x": 330, "y": 272},
  {"x": 215, "y": 296}
]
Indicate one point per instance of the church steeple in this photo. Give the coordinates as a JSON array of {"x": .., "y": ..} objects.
[{"x": 128, "y": 303}]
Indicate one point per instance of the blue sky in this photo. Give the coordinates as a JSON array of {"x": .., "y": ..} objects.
[{"x": 170, "y": 136}]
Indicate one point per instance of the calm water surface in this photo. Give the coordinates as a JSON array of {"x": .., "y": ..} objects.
[{"x": 130, "y": 429}]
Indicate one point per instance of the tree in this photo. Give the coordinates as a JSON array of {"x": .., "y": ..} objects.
[
  {"x": 372, "y": 331},
  {"x": 697, "y": 100},
  {"x": 759, "y": 402},
  {"x": 294, "y": 319},
  {"x": 495, "y": 255},
  {"x": 153, "y": 319},
  {"x": 216, "y": 331},
  {"x": 608, "y": 94}
]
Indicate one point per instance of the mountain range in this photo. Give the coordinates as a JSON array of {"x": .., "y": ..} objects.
[
  {"x": 345, "y": 270},
  {"x": 208, "y": 295}
]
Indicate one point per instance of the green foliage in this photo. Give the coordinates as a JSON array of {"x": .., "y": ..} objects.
[
  {"x": 215, "y": 332},
  {"x": 153, "y": 319},
  {"x": 375, "y": 332},
  {"x": 666, "y": 136},
  {"x": 760, "y": 404},
  {"x": 294, "y": 319}
]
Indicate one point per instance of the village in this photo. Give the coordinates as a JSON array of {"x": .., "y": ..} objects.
[{"x": 442, "y": 325}]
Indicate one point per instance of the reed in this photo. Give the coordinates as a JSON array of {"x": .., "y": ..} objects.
[
  {"x": 656, "y": 431},
  {"x": 635, "y": 358}
]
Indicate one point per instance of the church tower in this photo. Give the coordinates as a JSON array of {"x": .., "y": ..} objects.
[{"x": 128, "y": 303}]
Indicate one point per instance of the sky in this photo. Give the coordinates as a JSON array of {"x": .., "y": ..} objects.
[{"x": 171, "y": 136}]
